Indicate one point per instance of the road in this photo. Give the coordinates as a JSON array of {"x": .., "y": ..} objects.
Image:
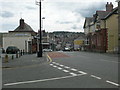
[{"x": 66, "y": 70}]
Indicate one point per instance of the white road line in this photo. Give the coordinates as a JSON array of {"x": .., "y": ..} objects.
[
  {"x": 43, "y": 80},
  {"x": 112, "y": 83},
  {"x": 65, "y": 71},
  {"x": 74, "y": 69},
  {"x": 95, "y": 77},
  {"x": 82, "y": 72},
  {"x": 54, "y": 66},
  {"x": 51, "y": 64},
  {"x": 66, "y": 67},
  {"x": 61, "y": 65},
  {"x": 73, "y": 74},
  {"x": 59, "y": 68}
]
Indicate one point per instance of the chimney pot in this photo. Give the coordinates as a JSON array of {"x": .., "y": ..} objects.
[
  {"x": 109, "y": 7},
  {"x": 22, "y": 23}
]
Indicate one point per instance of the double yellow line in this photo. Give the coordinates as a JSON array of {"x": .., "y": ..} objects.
[{"x": 50, "y": 60}]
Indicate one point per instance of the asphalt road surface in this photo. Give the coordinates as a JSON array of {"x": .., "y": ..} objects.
[{"x": 66, "y": 70}]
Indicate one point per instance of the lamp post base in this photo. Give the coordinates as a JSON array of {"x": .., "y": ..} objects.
[{"x": 39, "y": 53}]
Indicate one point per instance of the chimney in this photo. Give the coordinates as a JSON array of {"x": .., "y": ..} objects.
[
  {"x": 22, "y": 23},
  {"x": 109, "y": 7}
]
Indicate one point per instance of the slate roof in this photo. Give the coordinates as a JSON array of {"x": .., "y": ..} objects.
[
  {"x": 88, "y": 20},
  {"x": 113, "y": 12},
  {"x": 23, "y": 27},
  {"x": 102, "y": 14},
  {"x": 26, "y": 28}
]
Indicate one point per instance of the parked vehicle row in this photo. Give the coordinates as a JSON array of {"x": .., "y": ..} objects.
[
  {"x": 9, "y": 50},
  {"x": 12, "y": 50}
]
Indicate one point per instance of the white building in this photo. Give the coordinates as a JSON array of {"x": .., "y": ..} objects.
[{"x": 21, "y": 37}]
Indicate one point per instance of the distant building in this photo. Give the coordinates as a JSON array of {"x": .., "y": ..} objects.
[
  {"x": 22, "y": 37},
  {"x": 79, "y": 43},
  {"x": 62, "y": 39},
  {"x": 45, "y": 40}
]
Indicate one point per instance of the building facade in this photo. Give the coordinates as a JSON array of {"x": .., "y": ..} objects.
[
  {"x": 21, "y": 37},
  {"x": 103, "y": 33}
]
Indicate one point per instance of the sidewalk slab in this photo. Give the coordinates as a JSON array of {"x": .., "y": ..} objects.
[{"x": 25, "y": 60}]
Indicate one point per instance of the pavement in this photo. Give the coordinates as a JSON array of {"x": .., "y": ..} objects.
[{"x": 24, "y": 60}]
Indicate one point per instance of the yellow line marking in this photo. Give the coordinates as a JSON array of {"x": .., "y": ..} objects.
[{"x": 50, "y": 60}]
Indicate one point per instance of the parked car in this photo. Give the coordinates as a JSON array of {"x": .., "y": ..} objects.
[
  {"x": 12, "y": 50},
  {"x": 47, "y": 50},
  {"x": 2, "y": 50},
  {"x": 67, "y": 49}
]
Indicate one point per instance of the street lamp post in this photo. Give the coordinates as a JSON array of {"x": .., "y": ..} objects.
[{"x": 39, "y": 53}]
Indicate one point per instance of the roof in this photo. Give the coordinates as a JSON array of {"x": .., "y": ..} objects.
[
  {"x": 26, "y": 28},
  {"x": 88, "y": 20},
  {"x": 111, "y": 13},
  {"x": 102, "y": 14}
]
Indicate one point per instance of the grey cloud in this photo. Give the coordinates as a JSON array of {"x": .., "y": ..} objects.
[
  {"x": 8, "y": 27},
  {"x": 6, "y": 14},
  {"x": 90, "y": 10},
  {"x": 83, "y": 8},
  {"x": 31, "y": 8},
  {"x": 64, "y": 22},
  {"x": 75, "y": 27}
]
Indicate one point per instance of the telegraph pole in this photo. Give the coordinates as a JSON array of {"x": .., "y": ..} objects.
[{"x": 39, "y": 53}]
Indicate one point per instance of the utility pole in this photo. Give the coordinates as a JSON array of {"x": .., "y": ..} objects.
[
  {"x": 119, "y": 26},
  {"x": 39, "y": 53}
]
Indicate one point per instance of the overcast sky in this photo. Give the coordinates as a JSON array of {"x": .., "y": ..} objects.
[{"x": 60, "y": 15}]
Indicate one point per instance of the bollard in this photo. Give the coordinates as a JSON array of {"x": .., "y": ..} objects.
[
  {"x": 12, "y": 56},
  {"x": 21, "y": 52},
  {"x": 16, "y": 55},
  {"x": 6, "y": 58}
]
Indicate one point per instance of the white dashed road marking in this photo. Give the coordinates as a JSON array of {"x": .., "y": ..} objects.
[
  {"x": 59, "y": 68},
  {"x": 54, "y": 66},
  {"x": 66, "y": 67},
  {"x": 112, "y": 83},
  {"x": 61, "y": 65},
  {"x": 51, "y": 64},
  {"x": 73, "y": 74},
  {"x": 74, "y": 69},
  {"x": 95, "y": 77},
  {"x": 82, "y": 72},
  {"x": 65, "y": 70}
]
